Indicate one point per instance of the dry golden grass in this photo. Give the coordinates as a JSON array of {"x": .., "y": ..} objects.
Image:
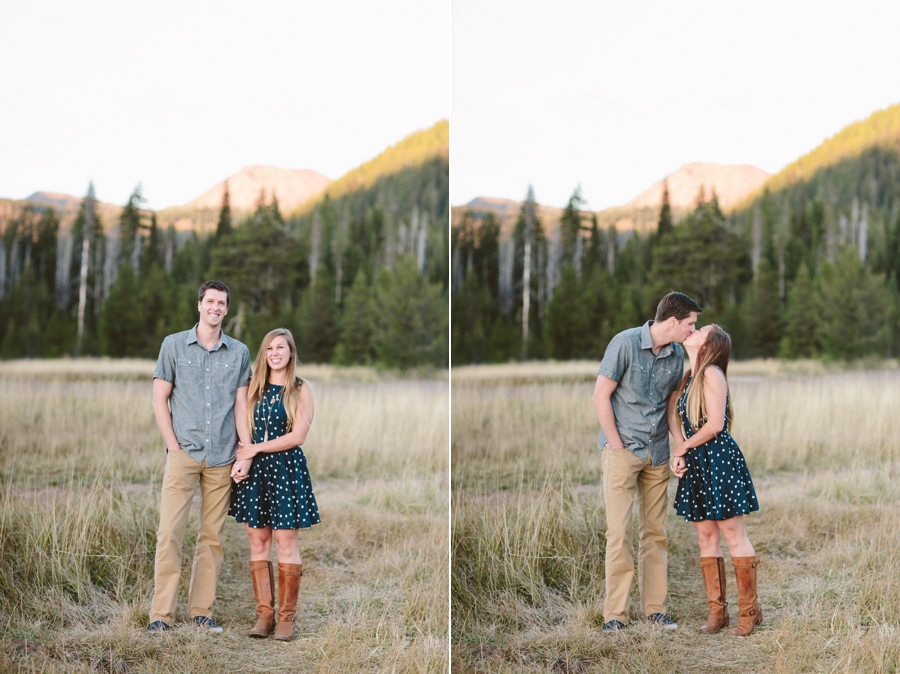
[
  {"x": 586, "y": 370},
  {"x": 528, "y": 527},
  {"x": 80, "y": 469}
]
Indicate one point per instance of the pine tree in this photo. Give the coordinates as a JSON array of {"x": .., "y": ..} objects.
[
  {"x": 412, "y": 319},
  {"x": 765, "y": 319},
  {"x": 666, "y": 224},
  {"x": 487, "y": 254},
  {"x": 318, "y": 322},
  {"x": 357, "y": 325},
  {"x": 130, "y": 228},
  {"x": 223, "y": 227},
  {"x": 567, "y": 328},
  {"x": 570, "y": 228},
  {"x": 801, "y": 319},
  {"x": 855, "y": 309},
  {"x": 152, "y": 250},
  {"x": 122, "y": 325}
]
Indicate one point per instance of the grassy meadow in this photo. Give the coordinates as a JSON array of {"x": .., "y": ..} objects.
[
  {"x": 81, "y": 463},
  {"x": 823, "y": 446}
]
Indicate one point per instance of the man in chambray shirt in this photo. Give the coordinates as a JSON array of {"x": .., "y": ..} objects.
[
  {"x": 200, "y": 403},
  {"x": 640, "y": 370}
]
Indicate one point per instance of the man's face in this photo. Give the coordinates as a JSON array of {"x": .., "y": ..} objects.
[
  {"x": 685, "y": 327},
  {"x": 213, "y": 307}
]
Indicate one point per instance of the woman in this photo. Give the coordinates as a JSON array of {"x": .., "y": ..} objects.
[
  {"x": 276, "y": 498},
  {"x": 715, "y": 490}
]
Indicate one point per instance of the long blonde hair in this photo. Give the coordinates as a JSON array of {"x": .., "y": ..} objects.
[
  {"x": 291, "y": 392},
  {"x": 715, "y": 352}
]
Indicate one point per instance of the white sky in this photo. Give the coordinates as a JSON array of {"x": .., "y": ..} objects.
[
  {"x": 180, "y": 94},
  {"x": 616, "y": 94}
]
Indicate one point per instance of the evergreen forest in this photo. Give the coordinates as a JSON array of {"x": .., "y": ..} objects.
[
  {"x": 360, "y": 276},
  {"x": 807, "y": 268}
]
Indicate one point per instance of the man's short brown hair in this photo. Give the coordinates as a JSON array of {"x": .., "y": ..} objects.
[
  {"x": 678, "y": 305},
  {"x": 215, "y": 285}
]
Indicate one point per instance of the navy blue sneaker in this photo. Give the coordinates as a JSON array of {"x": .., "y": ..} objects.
[
  {"x": 614, "y": 626},
  {"x": 158, "y": 626},
  {"x": 662, "y": 620},
  {"x": 208, "y": 624}
]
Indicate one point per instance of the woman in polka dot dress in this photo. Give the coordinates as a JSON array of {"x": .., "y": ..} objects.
[
  {"x": 714, "y": 490},
  {"x": 273, "y": 493}
]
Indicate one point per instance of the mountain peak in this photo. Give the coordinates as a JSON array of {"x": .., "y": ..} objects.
[
  {"x": 730, "y": 182},
  {"x": 293, "y": 187}
]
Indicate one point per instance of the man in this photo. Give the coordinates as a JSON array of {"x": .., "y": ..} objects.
[
  {"x": 203, "y": 375},
  {"x": 640, "y": 370}
]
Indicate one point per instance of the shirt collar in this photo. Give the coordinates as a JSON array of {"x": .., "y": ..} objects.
[
  {"x": 192, "y": 338},
  {"x": 647, "y": 341}
]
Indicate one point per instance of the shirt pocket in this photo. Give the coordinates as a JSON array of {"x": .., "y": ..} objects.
[
  {"x": 665, "y": 379},
  {"x": 189, "y": 372},
  {"x": 225, "y": 375}
]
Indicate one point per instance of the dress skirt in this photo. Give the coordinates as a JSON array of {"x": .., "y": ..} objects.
[
  {"x": 717, "y": 484},
  {"x": 278, "y": 492}
]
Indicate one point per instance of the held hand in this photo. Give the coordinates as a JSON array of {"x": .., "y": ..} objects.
[
  {"x": 245, "y": 452},
  {"x": 240, "y": 471},
  {"x": 679, "y": 466}
]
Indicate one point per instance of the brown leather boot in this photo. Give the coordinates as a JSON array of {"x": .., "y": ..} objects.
[
  {"x": 748, "y": 604},
  {"x": 264, "y": 589},
  {"x": 288, "y": 591},
  {"x": 713, "y": 569}
]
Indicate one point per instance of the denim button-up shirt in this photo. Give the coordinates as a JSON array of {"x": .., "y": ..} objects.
[
  {"x": 646, "y": 380},
  {"x": 205, "y": 384}
]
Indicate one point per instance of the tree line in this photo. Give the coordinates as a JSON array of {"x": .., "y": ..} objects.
[
  {"x": 811, "y": 270},
  {"x": 359, "y": 279}
]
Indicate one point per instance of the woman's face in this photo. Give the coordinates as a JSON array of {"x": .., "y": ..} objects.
[
  {"x": 698, "y": 337},
  {"x": 278, "y": 353}
]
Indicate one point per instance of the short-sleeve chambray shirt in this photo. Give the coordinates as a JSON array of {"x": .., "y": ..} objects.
[
  {"x": 205, "y": 384},
  {"x": 646, "y": 380}
]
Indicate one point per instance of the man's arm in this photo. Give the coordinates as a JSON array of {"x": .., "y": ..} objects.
[
  {"x": 603, "y": 391},
  {"x": 162, "y": 390},
  {"x": 241, "y": 423}
]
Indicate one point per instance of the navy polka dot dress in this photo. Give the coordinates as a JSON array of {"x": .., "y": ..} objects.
[
  {"x": 717, "y": 484},
  {"x": 278, "y": 492}
]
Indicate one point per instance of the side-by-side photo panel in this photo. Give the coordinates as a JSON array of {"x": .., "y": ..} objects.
[
  {"x": 674, "y": 291},
  {"x": 224, "y": 337}
]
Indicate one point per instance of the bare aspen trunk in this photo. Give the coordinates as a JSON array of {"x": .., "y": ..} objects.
[
  {"x": 526, "y": 296},
  {"x": 3, "y": 270},
  {"x": 82, "y": 287},
  {"x": 420, "y": 248},
  {"x": 338, "y": 277},
  {"x": 864, "y": 234},
  {"x": 86, "y": 234},
  {"x": 314, "y": 246}
]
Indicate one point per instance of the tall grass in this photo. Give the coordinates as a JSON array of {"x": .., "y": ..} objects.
[
  {"x": 528, "y": 522},
  {"x": 80, "y": 468}
]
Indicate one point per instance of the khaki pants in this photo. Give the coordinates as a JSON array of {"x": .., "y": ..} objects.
[
  {"x": 625, "y": 475},
  {"x": 179, "y": 484}
]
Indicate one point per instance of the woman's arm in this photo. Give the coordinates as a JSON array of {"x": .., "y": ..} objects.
[
  {"x": 677, "y": 465},
  {"x": 715, "y": 397},
  {"x": 240, "y": 470},
  {"x": 303, "y": 417}
]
